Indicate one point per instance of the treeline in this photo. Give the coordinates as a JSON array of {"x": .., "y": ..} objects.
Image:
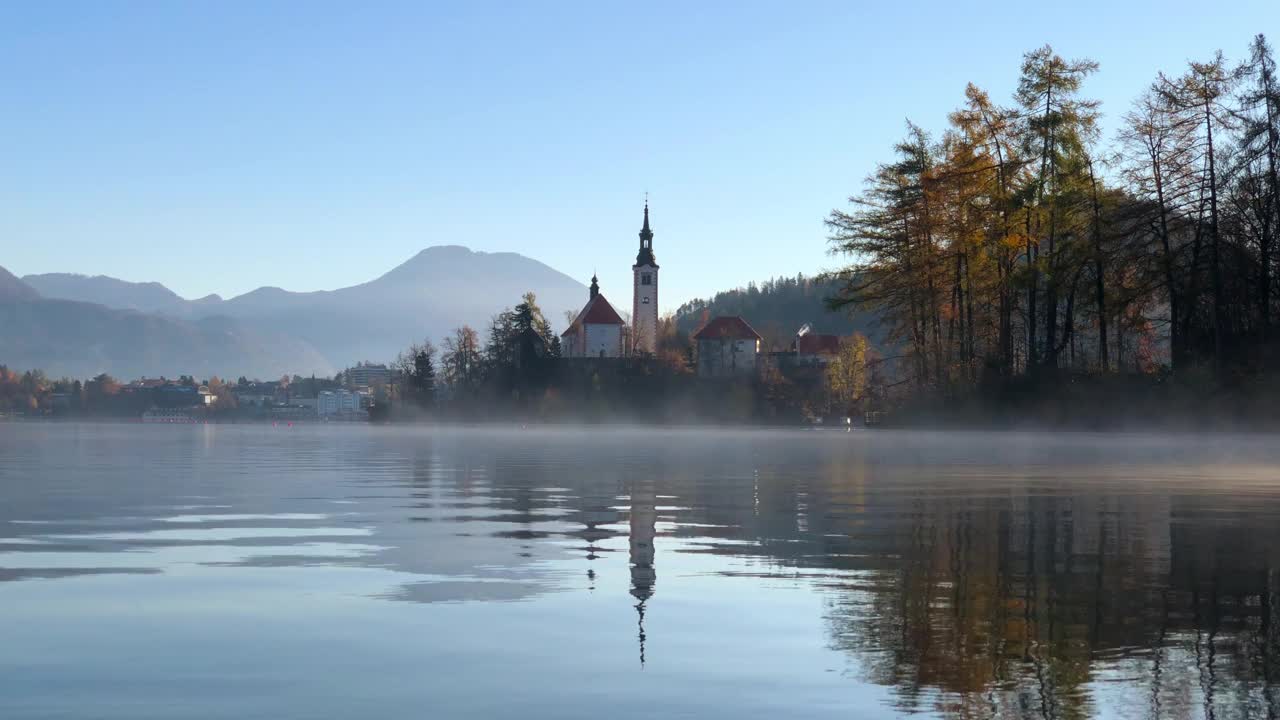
[
  {"x": 26, "y": 392},
  {"x": 778, "y": 308},
  {"x": 1021, "y": 245},
  {"x": 514, "y": 371},
  {"x": 34, "y": 394},
  {"x": 472, "y": 377}
]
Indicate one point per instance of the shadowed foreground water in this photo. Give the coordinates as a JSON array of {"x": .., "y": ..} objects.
[{"x": 314, "y": 572}]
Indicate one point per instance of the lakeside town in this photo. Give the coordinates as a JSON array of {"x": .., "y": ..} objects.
[
  {"x": 1017, "y": 268},
  {"x": 522, "y": 370},
  {"x": 603, "y": 365},
  {"x": 728, "y": 353}
]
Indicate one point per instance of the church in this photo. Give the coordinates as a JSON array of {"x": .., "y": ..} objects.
[{"x": 599, "y": 331}]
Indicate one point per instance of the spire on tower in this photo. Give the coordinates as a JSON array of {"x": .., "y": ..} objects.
[
  {"x": 645, "y": 257},
  {"x": 595, "y": 286}
]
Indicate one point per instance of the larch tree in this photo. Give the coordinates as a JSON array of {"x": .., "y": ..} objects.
[{"x": 1058, "y": 123}]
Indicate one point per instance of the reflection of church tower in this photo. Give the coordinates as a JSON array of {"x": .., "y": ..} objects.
[
  {"x": 596, "y": 514},
  {"x": 644, "y": 518},
  {"x": 644, "y": 304}
]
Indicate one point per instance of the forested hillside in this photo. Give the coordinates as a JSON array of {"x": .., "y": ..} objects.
[{"x": 779, "y": 307}]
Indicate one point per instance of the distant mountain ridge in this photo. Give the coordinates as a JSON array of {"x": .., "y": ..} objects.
[
  {"x": 113, "y": 293},
  {"x": 82, "y": 339},
  {"x": 12, "y": 289},
  {"x": 436, "y": 290}
]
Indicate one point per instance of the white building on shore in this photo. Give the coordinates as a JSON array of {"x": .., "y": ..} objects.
[
  {"x": 597, "y": 330},
  {"x": 339, "y": 402},
  {"x": 727, "y": 348}
]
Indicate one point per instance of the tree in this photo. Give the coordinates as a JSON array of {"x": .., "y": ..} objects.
[
  {"x": 1260, "y": 144},
  {"x": 519, "y": 336},
  {"x": 461, "y": 360},
  {"x": 422, "y": 375},
  {"x": 1156, "y": 162},
  {"x": 1199, "y": 94},
  {"x": 224, "y": 395},
  {"x": 1058, "y": 126},
  {"x": 100, "y": 391},
  {"x": 846, "y": 374},
  {"x": 417, "y": 369},
  {"x": 994, "y": 159},
  {"x": 890, "y": 236}
]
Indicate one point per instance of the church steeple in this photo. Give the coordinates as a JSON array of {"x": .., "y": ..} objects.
[
  {"x": 595, "y": 286},
  {"x": 644, "y": 301},
  {"x": 645, "y": 256}
]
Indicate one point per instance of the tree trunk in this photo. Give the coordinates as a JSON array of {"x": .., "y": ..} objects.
[
  {"x": 1099, "y": 289},
  {"x": 1175, "y": 331},
  {"x": 1050, "y": 159},
  {"x": 1032, "y": 359},
  {"x": 1214, "y": 253},
  {"x": 1273, "y": 201}
]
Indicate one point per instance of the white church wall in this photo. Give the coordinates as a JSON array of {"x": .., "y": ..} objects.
[{"x": 603, "y": 340}]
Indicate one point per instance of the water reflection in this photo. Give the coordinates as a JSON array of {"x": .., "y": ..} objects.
[
  {"x": 958, "y": 575},
  {"x": 644, "y": 522}
]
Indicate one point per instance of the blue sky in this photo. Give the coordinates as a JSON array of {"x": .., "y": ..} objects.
[{"x": 217, "y": 147}]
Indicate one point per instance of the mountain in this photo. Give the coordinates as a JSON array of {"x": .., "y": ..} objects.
[
  {"x": 81, "y": 339},
  {"x": 149, "y": 297},
  {"x": 428, "y": 295},
  {"x": 11, "y": 288}
]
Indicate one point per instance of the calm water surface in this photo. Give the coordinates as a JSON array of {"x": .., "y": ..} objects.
[{"x": 318, "y": 572}]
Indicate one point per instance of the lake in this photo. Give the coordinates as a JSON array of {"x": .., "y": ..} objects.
[{"x": 251, "y": 571}]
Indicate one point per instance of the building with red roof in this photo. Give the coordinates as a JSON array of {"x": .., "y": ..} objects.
[
  {"x": 815, "y": 349},
  {"x": 727, "y": 347},
  {"x": 597, "y": 330}
]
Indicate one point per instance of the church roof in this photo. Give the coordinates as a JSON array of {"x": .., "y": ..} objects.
[
  {"x": 730, "y": 327},
  {"x": 597, "y": 311}
]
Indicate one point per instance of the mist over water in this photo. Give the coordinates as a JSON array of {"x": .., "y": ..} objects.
[{"x": 251, "y": 571}]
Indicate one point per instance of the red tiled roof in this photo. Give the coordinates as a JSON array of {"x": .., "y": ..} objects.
[
  {"x": 726, "y": 326},
  {"x": 597, "y": 311},
  {"x": 817, "y": 344}
]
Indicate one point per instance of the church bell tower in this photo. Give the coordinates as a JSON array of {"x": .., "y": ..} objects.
[{"x": 644, "y": 305}]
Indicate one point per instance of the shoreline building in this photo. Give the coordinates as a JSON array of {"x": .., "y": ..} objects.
[
  {"x": 644, "y": 303},
  {"x": 596, "y": 332},
  {"x": 368, "y": 375},
  {"x": 600, "y": 332},
  {"x": 727, "y": 347},
  {"x": 339, "y": 402}
]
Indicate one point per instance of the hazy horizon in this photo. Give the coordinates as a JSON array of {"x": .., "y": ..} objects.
[
  {"x": 310, "y": 147},
  {"x": 228, "y": 296}
]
